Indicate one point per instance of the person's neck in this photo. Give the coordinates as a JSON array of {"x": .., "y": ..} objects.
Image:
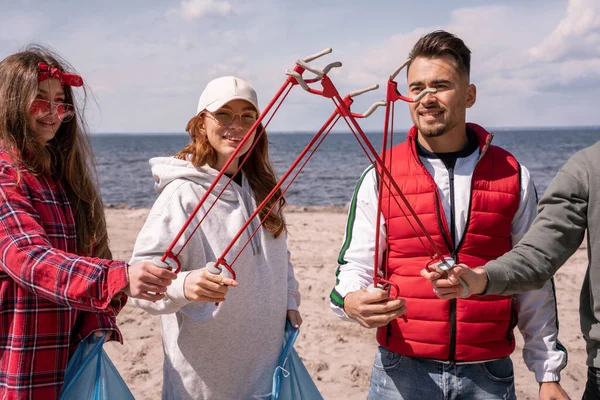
[
  {"x": 449, "y": 142},
  {"x": 230, "y": 170}
]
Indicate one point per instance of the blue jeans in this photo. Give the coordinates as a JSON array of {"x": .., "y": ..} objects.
[
  {"x": 592, "y": 387},
  {"x": 397, "y": 377}
]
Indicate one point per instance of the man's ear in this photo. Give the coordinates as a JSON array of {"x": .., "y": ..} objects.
[{"x": 471, "y": 95}]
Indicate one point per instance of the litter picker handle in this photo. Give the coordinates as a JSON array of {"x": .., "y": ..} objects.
[
  {"x": 397, "y": 70},
  {"x": 298, "y": 78},
  {"x": 218, "y": 270},
  {"x": 361, "y": 91},
  {"x": 424, "y": 93},
  {"x": 317, "y": 55},
  {"x": 395, "y": 96},
  {"x": 162, "y": 264},
  {"x": 302, "y": 64},
  {"x": 373, "y": 107},
  {"x": 379, "y": 286},
  {"x": 301, "y": 80},
  {"x": 316, "y": 71},
  {"x": 446, "y": 266},
  {"x": 374, "y": 288}
]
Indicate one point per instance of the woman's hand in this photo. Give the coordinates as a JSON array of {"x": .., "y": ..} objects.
[
  {"x": 294, "y": 317},
  {"x": 147, "y": 281},
  {"x": 99, "y": 334},
  {"x": 201, "y": 285}
]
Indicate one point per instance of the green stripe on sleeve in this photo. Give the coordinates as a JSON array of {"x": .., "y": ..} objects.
[{"x": 336, "y": 299}]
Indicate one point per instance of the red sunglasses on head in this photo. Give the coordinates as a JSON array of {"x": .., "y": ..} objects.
[{"x": 65, "y": 111}]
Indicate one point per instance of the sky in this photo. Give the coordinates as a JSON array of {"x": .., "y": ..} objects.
[{"x": 535, "y": 63}]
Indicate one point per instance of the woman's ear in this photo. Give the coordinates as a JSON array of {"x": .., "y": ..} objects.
[{"x": 199, "y": 125}]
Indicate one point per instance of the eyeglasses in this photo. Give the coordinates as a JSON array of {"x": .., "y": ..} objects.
[
  {"x": 65, "y": 111},
  {"x": 225, "y": 117}
]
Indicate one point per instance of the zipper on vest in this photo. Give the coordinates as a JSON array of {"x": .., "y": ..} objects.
[
  {"x": 452, "y": 249},
  {"x": 452, "y": 350},
  {"x": 452, "y": 227},
  {"x": 441, "y": 222},
  {"x": 452, "y": 201}
]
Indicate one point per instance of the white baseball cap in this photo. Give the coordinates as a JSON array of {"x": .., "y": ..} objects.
[{"x": 221, "y": 91}]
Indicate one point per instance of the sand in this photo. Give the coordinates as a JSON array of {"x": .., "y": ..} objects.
[{"x": 339, "y": 355}]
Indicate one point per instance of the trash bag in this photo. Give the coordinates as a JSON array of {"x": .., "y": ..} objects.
[
  {"x": 90, "y": 374},
  {"x": 291, "y": 380}
]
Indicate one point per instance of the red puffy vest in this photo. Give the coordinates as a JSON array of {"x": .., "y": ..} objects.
[{"x": 474, "y": 329}]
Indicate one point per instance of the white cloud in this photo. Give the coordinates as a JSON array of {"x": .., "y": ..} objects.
[
  {"x": 192, "y": 9},
  {"x": 147, "y": 76},
  {"x": 484, "y": 29},
  {"x": 496, "y": 53},
  {"x": 576, "y": 36},
  {"x": 507, "y": 76}
]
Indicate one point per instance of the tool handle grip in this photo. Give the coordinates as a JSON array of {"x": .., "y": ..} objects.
[
  {"x": 317, "y": 55},
  {"x": 218, "y": 270}
]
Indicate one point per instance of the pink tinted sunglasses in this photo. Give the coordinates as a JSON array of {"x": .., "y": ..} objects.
[{"x": 41, "y": 108}]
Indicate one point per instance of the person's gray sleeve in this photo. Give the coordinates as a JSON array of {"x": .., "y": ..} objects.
[
  {"x": 555, "y": 235},
  {"x": 167, "y": 216}
]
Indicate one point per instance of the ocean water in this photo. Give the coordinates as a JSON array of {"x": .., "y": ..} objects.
[{"x": 331, "y": 174}]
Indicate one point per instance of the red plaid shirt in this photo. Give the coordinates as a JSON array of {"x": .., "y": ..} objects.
[{"x": 50, "y": 298}]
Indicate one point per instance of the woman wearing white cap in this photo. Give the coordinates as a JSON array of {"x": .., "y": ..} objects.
[{"x": 227, "y": 351}]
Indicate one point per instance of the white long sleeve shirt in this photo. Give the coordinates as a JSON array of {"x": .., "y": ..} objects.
[{"x": 538, "y": 322}]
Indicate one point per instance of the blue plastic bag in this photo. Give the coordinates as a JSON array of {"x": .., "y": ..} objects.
[
  {"x": 90, "y": 374},
  {"x": 291, "y": 380}
]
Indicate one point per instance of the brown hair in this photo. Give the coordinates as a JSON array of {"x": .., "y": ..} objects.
[
  {"x": 257, "y": 169},
  {"x": 440, "y": 44},
  {"x": 68, "y": 155}
]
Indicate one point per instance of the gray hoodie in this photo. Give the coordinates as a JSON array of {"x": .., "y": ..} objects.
[
  {"x": 227, "y": 351},
  {"x": 570, "y": 206}
]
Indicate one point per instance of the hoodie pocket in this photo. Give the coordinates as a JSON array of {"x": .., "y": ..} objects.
[{"x": 199, "y": 312}]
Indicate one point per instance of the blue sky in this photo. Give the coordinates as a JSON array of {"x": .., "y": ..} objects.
[{"x": 535, "y": 63}]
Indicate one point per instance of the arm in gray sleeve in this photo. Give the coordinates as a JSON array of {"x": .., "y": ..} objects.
[
  {"x": 555, "y": 235},
  {"x": 167, "y": 216}
]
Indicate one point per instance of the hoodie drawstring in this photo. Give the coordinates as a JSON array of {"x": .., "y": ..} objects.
[{"x": 245, "y": 199}]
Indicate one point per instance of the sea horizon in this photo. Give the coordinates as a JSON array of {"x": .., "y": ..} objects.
[
  {"x": 331, "y": 175},
  {"x": 372, "y": 132}
]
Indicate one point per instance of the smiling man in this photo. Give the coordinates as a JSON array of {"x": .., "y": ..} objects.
[{"x": 476, "y": 201}]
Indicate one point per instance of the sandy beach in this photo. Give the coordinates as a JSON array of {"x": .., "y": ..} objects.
[{"x": 338, "y": 354}]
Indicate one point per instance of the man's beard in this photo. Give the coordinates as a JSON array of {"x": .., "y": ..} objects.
[{"x": 433, "y": 131}]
